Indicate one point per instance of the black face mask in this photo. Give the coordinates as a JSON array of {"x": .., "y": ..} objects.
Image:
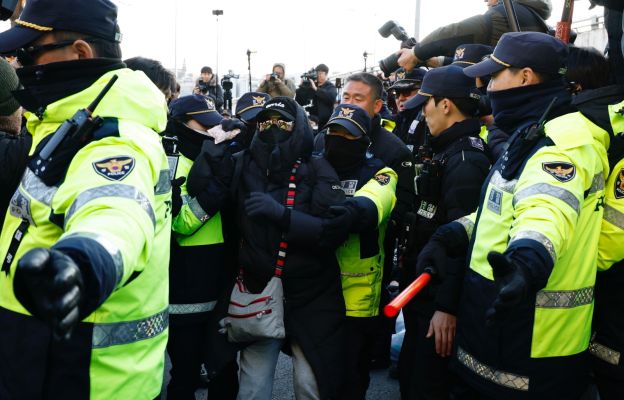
[
  {"x": 344, "y": 154},
  {"x": 274, "y": 135},
  {"x": 485, "y": 108}
]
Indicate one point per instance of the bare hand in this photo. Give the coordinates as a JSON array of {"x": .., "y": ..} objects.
[
  {"x": 408, "y": 59},
  {"x": 443, "y": 326},
  {"x": 313, "y": 84},
  {"x": 435, "y": 62}
]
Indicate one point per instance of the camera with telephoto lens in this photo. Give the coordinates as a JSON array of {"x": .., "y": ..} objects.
[
  {"x": 202, "y": 86},
  {"x": 391, "y": 63},
  {"x": 274, "y": 76},
  {"x": 7, "y": 7}
]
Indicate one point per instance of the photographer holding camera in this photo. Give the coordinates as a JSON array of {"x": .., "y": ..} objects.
[
  {"x": 208, "y": 86},
  {"x": 321, "y": 92},
  {"x": 275, "y": 84},
  {"x": 485, "y": 28}
]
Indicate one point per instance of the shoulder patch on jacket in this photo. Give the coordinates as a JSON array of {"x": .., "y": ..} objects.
[
  {"x": 114, "y": 168},
  {"x": 619, "y": 185},
  {"x": 382, "y": 179},
  {"x": 561, "y": 171}
]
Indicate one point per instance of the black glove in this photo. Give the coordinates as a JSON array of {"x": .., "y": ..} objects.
[
  {"x": 49, "y": 284},
  {"x": 231, "y": 124},
  {"x": 512, "y": 283},
  {"x": 263, "y": 205},
  {"x": 176, "y": 195},
  {"x": 211, "y": 165},
  {"x": 336, "y": 229},
  {"x": 433, "y": 258}
]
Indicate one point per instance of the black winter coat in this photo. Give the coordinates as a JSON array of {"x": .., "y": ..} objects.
[{"x": 314, "y": 306}]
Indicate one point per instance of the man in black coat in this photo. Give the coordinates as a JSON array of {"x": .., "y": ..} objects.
[
  {"x": 324, "y": 95},
  {"x": 14, "y": 147}
]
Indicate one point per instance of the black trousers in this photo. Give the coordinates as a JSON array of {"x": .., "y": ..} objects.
[
  {"x": 423, "y": 375},
  {"x": 186, "y": 348},
  {"x": 361, "y": 336},
  {"x": 609, "y": 379}
]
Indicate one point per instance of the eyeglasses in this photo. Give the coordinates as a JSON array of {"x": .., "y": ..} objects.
[
  {"x": 26, "y": 55},
  {"x": 287, "y": 126}
]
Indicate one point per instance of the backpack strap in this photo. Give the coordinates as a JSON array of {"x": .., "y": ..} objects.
[{"x": 290, "y": 204}]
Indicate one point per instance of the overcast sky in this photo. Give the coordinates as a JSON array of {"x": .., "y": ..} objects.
[{"x": 299, "y": 33}]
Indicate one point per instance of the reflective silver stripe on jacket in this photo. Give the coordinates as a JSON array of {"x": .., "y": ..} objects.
[
  {"x": 164, "y": 182},
  {"x": 113, "y": 334},
  {"x": 193, "y": 308},
  {"x": 114, "y": 190},
  {"x": 503, "y": 184},
  {"x": 502, "y": 378},
  {"x": 598, "y": 183},
  {"x": 467, "y": 224},
  {"x": 544, "y": 188},
  {"x": 356, "y": 274},
  {"x": 540, "y": 238},
  {"x": 564, "y": 298},
  {"x": 613, "y": 216},
  {"x": 604, "y": 353},
  {"x": 110, "y": 247},
  {"x": 196, "y": 209},
  {"x": 37, "y": 189}
]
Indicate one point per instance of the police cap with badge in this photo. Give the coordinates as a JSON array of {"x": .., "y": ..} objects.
[
  {"x": 95, "y": 18},
  {"x": 471, "y": 54},
  {"x": 408, "y": 80},
  {"x": 351, "y": 117},
  {"x": 250, "y": 104},
  {"x": 198, "y": 107},
  {"x": 538, "y": 51},
  {"x": 449, "y": 82}
]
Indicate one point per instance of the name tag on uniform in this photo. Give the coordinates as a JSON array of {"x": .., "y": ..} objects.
[
  {"x": 412, "y": 127},
  {"x": 173, "y": 165},
  {"x": 495, "y": 200},
  {"x": 349, "y": 187},
  {"x": 427, "y": 210}
]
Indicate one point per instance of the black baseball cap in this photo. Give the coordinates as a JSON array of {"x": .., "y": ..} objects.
[
  {"x": 283, "y": 105},
  {"x": 449, "y": 81},
  {"x": 538, "y": 51},
  {"x": 408, "y": 80},
  {"x": 471, "y": 54},
  {"x": 200, "y": 108},
  {"x": 96, "y": 18},
  {"x": 250, "y": 104},
  {"x": 353, "y": 118}
]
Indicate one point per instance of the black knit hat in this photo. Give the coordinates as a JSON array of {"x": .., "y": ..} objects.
[{"x": 8, "y": 83}]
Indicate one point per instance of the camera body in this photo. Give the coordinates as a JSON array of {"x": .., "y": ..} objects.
[
  {"x": 7, "y": 7},
  {"x": 203, "y": 86},
  {"x": 391, "y": 63},
  {"x": 311, "y": 75},
  {"x": 274, "y": 76}
]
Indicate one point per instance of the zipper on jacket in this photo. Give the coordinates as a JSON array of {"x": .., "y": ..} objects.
[{"x": 257, "y": 314}]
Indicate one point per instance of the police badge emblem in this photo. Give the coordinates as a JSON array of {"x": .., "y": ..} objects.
[
  {"x": 114, "y": 168},
  {"x": 382, "y": 179},
  {"x": 619, "y": 185},
  {"x": 561, "y": 171}
]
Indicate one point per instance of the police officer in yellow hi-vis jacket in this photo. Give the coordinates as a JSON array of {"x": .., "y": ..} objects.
[
  {"x": 525, "y": 312},
  {"x": 85, "y": 243},
  {"x": 370, "y": 189}
]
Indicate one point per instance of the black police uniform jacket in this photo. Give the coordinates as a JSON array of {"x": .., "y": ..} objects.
[
  {"x": 14, "y": 155},
  {"x": 463, "y": 166},
  {"x": 314, "y": 306}
]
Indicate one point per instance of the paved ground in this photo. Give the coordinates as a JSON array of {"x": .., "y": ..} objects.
[{"x": 381, "y": 388}]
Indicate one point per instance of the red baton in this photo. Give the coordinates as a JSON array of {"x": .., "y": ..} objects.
[{"x": 392, "y": 309}]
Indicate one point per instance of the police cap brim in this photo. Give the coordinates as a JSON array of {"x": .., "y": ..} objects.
[
  {"x": 348, "y": 124},
  {"x": 208, "y": 119},
  {"x": 17, "y": 37},
  {"x": 416, "y": 102},
  {"x": 484, "y": 68}
]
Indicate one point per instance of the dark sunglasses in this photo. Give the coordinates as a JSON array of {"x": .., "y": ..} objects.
[{"x": 26, "y": 55}]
